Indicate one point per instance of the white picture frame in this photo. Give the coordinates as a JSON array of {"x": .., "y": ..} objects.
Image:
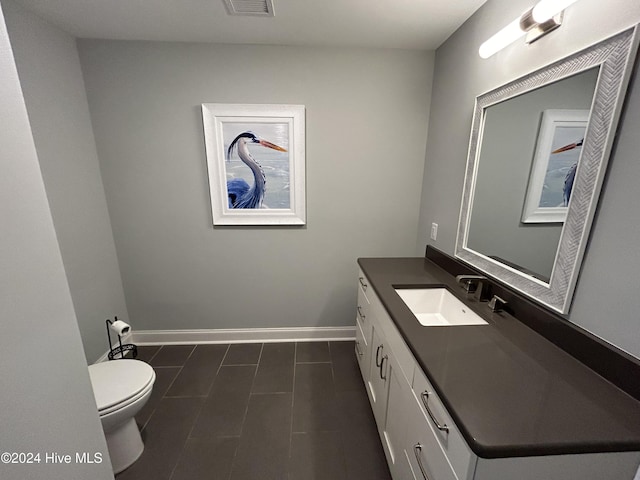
[
  {"x": 544, "y": 199},
  {"x": 256, "y": 163}
]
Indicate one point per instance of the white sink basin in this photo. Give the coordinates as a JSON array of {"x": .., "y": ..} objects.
[{"x": 434, "y": 307}]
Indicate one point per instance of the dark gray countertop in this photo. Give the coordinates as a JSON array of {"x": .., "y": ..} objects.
[{"x": 510, "y": 391}]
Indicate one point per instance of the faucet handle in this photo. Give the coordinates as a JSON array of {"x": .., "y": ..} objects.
[
  {"x": 463, "y": 277},
  {"x": 496, "y": 304}
]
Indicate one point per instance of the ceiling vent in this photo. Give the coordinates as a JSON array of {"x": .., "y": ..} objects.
[{"x": 263, "y": 8}]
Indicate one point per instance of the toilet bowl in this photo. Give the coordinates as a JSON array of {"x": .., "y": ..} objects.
[{"x": 121, "y": 388}]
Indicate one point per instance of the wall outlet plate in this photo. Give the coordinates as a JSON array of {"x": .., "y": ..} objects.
[{"x": 434, "y": 231}]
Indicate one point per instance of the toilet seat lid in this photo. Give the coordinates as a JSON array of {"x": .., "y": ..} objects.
[{"x": 116, "y": 381}]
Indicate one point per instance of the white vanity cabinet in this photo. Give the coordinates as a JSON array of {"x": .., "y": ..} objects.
[
  {"x": 419, "y": 437},
  {"x": 387, "y": 377}
]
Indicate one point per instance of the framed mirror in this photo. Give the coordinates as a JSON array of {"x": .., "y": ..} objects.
[{"x": 537, "y": 159}]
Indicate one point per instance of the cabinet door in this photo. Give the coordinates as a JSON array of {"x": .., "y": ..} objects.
[
  {"x": 377, "y": 383},
  {"x": 395, "y": 430}
]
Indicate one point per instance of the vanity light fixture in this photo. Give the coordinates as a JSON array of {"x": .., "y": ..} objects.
[
  {"x": 504, "y": 37},
  {"x": 542, "y": 18}
]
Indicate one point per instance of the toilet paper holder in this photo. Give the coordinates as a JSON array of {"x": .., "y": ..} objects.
[{"x": 120, "y": 328}]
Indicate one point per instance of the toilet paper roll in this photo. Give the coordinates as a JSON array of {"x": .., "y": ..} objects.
[{"x": 120, "y": 327}]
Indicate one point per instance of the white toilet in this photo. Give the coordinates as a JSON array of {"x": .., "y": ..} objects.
[{"x": 121, "y": 389}]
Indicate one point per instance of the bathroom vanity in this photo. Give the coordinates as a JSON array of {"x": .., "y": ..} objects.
[{"x": 487, "y": 401}]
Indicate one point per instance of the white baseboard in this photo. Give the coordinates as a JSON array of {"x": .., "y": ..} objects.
[{"x": 243, "y": 335}]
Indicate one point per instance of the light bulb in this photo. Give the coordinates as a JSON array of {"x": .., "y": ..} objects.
[
  {"x": 546, "y": 9},
  {"x": 504, "y": 37}
]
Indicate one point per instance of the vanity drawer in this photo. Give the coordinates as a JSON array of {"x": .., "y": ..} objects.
[
  {"x": 363, "y": 286},
  {"x": 449, "y": 437},
  {"x": 425, "y": 455}
]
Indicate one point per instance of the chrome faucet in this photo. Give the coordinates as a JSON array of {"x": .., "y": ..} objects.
[
  {"x": 476, "y": 284},
  {"x": 470, "y": 282}
]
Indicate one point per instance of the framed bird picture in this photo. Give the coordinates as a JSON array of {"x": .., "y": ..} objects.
[
  {"x": 554, "y": 166},
  {"x": 256, "y": 163}
]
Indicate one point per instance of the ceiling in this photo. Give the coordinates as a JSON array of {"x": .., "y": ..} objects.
[{"x": 411, "y": 24}]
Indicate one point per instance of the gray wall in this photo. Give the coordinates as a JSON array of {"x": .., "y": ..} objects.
[
  {"x": 51, "y": 79},
  {"x": 366, "y": 113},
  {"x": 46, "y": 403},
  {"x": 604, "y": 301}
]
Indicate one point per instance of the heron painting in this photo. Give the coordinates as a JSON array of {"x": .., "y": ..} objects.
[
  {"x": 247, "y": 183},
  {"x": 255, "y": 155}
]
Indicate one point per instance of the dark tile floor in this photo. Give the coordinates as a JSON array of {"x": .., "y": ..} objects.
[{"x": 281, "y": 411}]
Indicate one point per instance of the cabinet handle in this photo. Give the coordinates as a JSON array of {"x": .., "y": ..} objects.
[
  {"x": 386, "y": 357},
  {"x": 424, "y": 396},
  {"x": 362, "y": 315},
  {"x": 378, "y": 363},
  {"x": 363, "y": 283},
  {"x": 358, "y": 349},
  {"x": 417, "y": 449}
]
